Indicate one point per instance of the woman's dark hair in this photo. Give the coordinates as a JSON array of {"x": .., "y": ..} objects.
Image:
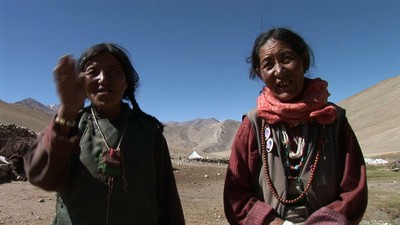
[
  {"x": 132, "y": 77},
  {"x": 298, "y": 45}
]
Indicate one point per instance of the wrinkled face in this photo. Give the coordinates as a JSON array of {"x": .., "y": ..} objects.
[
  {"x": 105, "y": 82},
  {"x": 281, "y": 69}
]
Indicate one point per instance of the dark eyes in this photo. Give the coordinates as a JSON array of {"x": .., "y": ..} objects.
[
  {"x": 92, "y": 71},
  {"x": 268, "y": 65},
  {"x": 286, "y": 58}
]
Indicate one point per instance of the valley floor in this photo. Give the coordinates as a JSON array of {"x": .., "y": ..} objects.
[{"x": 200, "y": 186}]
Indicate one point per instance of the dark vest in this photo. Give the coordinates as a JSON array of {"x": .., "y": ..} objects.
[
  {"x": 326, "y": 183},
  {"x": 85, "y": 200}
]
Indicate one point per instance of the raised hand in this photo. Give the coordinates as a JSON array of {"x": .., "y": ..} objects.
[{"x": 70, "y": 88}]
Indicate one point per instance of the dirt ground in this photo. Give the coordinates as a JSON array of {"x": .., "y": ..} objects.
[{"x": 200, "y": 186}]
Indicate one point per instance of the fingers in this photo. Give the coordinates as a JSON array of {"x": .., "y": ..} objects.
[
  {"x": 64, "y": 62},
  {"x": 70, "y": 87},
  {"x": 65, "y": 68}
]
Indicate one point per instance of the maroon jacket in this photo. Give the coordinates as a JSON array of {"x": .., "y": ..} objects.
[
  {"x": 68, "y": 165},
  {"x": 348, "y": 193}
]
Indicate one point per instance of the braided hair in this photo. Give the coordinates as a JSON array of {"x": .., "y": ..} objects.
[{"x": 132, "y": 77}]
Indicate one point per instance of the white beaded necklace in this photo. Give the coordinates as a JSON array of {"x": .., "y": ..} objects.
[{"x": 300, "y": 142}]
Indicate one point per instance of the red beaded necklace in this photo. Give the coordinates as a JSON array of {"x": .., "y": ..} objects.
[{"x": 269, "y": 181}]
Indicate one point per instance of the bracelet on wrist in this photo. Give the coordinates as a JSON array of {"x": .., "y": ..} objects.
[{"x": 64, "y": 122}]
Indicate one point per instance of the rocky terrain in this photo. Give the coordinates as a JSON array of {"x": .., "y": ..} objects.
[{"x": 14, "y": 142}]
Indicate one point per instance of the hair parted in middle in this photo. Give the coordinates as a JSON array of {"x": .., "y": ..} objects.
[{"x": 297, "y": 43}]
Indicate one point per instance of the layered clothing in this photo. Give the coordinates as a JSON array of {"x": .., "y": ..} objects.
[
  {"x": 145, "y": 193},
  {"x": 337, "y": 192}
]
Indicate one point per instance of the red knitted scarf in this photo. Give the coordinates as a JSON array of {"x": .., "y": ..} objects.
[{"x": 312, "y": 105}]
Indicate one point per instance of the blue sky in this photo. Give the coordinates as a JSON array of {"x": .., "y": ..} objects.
[{"x": 191, "y": 55}]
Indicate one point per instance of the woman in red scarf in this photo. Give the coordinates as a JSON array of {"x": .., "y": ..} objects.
[{"x": 295, "y": 158}]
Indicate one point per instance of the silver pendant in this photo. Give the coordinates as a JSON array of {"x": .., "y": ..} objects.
[
  {"x": 269, "y": 144},
  {"x": 267, "y": 132}
]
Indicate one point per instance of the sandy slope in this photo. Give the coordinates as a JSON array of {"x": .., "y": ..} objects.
[{"x": 374, "y": 114}]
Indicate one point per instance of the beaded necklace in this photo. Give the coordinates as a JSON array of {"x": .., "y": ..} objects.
[
  {"x": 271, "y": 186},
  {"x": 301, "y": 146}
]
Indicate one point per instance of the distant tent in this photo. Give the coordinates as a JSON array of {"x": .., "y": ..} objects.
[{"x": 195, "y": 155}]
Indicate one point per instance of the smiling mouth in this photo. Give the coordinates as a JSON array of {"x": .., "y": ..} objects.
[
  {"x": 284, "y": 84},
  {"x": 104, "y": 91}
]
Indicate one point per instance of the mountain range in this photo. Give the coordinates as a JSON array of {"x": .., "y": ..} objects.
[{"x": 374, "y": 115}]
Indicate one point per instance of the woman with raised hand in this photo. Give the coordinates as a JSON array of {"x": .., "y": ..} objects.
[{"x": 108, "y": 162}]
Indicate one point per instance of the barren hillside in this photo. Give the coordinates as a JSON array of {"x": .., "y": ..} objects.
[
  {"x": 375, "y": 116},
  {"x": 23, "y": 116},
  {"x": 208, "y": 137}
]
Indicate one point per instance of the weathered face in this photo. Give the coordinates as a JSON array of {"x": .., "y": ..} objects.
[
  {"x": 105, "y": 82},
  {"x": 281, "y": 69}
]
